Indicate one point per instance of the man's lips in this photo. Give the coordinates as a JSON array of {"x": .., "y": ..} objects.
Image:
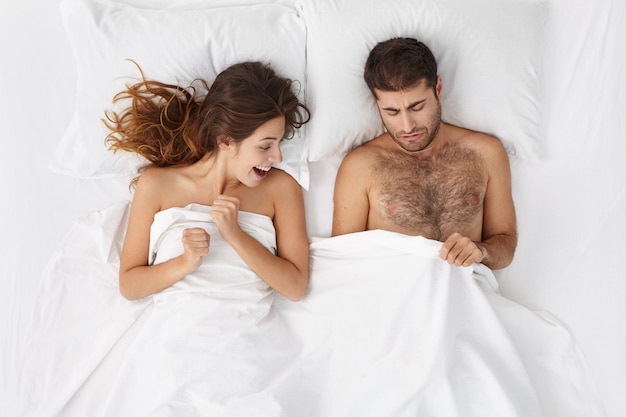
[{"x": 412, "y": 136}]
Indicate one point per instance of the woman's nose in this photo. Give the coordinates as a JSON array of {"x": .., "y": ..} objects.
[{"x": 276, "y": 156}]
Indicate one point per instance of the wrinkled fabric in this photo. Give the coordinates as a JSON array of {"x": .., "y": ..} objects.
[
  {"x": 392, "y": 330},
  {"x": 209, "y": 345},
  {"x": 386, "y": 329}
]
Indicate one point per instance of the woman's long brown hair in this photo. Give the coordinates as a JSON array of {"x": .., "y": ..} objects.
[{"x": 171, "y": 125}]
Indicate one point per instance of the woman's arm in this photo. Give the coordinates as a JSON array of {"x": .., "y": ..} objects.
[
  {"x": 288, "y": 271},
  {"x": 136, "y": 278}
]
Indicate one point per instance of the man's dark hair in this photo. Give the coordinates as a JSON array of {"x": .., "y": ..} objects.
[{"x": 398, "y": 64}]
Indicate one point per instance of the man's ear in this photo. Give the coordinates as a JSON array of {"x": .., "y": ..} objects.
[{"x": 439, "y": 86}]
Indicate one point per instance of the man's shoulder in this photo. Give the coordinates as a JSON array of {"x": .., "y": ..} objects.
[
  {"x": 360, "y": 160},
  {"x": 456, "y": 132},
  {"x": 479, "y": 141},
  {"x": 367, "y": 149}
]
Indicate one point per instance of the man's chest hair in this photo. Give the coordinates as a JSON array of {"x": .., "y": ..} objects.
[{"x": 430, "y": 195}]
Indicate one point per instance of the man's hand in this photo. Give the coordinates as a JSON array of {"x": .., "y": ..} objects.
[{"x": 461, "y": 251}]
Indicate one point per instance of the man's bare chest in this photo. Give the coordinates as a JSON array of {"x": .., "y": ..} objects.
[{"x": 432, "y": 197}]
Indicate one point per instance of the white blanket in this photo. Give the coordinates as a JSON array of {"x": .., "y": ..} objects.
[
  {"x": 208, "y": 346},
  {"x": 387, "y": 329},
  {"x": 392, "y": 330}
]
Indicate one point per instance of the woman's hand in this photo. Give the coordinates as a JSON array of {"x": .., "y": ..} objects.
[
  {"x": 225, "y": 212},
  {"x": 196, "y": 242}
]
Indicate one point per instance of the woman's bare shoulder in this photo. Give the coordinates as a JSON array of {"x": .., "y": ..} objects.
[
  {"x": 279, "y": 180},
  {"x": 158, "y": 177},
  {"x": 161, "y": 185},
  {"x": 278, "y": 190}
]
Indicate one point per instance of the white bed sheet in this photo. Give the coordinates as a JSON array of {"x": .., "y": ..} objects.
[
  {"x": 571, "y": 205},
  {"x": 386, "y": 329}
]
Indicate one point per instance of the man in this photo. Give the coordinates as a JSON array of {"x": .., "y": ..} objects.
[{"x": 423, "y": 176}]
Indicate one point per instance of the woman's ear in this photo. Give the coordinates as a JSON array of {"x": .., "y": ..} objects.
[{"x": 224, "y": 142}]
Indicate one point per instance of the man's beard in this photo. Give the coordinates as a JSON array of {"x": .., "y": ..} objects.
[{"x": 432, "y": 129}]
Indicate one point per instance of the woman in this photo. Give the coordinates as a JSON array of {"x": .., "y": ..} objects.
[
  {"x": 217, "y": 152},
  {"x": 213, "y": 233}
]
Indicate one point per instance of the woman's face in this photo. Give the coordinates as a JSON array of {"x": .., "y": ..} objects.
[{"x": 256, "y": 154}]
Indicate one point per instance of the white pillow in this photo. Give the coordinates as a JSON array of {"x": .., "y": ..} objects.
[
  {"x": 488, "y": 53},
  {"x": 174, "y": 45}
]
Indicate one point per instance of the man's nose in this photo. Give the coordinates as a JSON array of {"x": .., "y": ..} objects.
[{"x": 407, "y": 122}]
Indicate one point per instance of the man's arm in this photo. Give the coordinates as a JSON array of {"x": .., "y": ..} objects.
[
  {"x": 351, "y": 202},
  {"x": 499, "y": 229},
  {"x": 499, "y": 221}
]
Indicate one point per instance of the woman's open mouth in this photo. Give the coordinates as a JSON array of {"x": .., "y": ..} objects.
[{"x": 261, "y": 172}]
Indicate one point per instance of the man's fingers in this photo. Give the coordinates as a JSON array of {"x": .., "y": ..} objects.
[{"x": 460, "y": 250}]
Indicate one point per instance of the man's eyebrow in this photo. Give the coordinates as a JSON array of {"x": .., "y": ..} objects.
[
  {"x": 410, "y": 106},
  {"x": 415, "y": 103}
]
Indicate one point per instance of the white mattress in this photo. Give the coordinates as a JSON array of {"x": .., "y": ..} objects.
[{"x": 571, "y": 204}]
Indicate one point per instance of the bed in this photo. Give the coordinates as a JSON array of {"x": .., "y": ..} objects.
[{"x": 546, "y": 77}]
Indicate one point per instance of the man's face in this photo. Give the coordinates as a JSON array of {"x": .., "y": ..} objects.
[{"x": 412, "y": 117}]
